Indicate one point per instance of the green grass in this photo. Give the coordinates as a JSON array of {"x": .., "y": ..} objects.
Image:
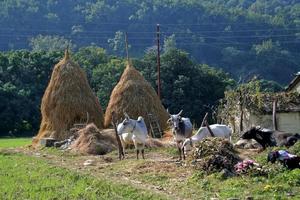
[
  {"x": 25, "y": 177},
  {"x": 14, "y": 142},
  {"x": 38, "y": 179}
]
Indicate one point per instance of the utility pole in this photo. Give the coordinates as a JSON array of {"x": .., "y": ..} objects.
[
  {"x": 126, "y": 46},
  {"x": 158, "y": 60}
]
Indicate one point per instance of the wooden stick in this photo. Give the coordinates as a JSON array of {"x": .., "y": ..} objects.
[
  {"x": 242, "y": 112},
  {"x": 126, "y": 46},
  {"x": 121, "y": 152},
  {"x": 210, "y": 131},
  {"x": 274, "y": 115},
  {"x": 204, "y": 119}
]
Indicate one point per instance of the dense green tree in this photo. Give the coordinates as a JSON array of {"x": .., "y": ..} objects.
[{"x": 23, "y": 79}]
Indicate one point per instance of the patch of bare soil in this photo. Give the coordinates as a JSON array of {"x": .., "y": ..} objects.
[{"x": 248, "y": 153}]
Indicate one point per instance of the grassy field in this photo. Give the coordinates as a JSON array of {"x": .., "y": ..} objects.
[
  {"x": 14, "y": 142},
  {"x": 52, "y": 174},
  {"x": 25, "y": 177}
]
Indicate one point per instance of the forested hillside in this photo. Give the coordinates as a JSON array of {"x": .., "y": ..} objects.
[{"x": 244, "y": 37}]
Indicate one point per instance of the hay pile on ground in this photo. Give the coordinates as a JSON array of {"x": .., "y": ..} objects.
[
  {"x": 213, "y": 154},
  {"x": 67, "y": 100},
  {"x": 159, "y": 143},
  {"x": 93, "y": 141},
  {"x": 135, "y": 96}
]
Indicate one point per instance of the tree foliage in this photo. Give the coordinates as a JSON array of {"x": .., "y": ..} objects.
[{"x": 25, "y": 74}]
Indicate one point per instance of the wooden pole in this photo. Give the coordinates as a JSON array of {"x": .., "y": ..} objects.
[
  {"x": 210, "y": 131},
  {"x": 275, "y": 127},
  {"x": 158, "y": 60},
  {"x": 121, "y": 152},
  {"x": 126, "y": 46},
  {"x": 204, "y": 119},
  {"x": 242, "y": 113}
]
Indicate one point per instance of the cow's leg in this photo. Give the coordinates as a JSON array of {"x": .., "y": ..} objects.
[
  {"x": 143, "y": 154},
  {"x": 123, "y": 146},
  {"x": 183, "y": 153},
  {"x": 137, "y": 153},
  {"x": 179, "y": 150}
]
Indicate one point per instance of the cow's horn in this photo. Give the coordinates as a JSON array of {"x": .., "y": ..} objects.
[{"x": 180, "y": 112}]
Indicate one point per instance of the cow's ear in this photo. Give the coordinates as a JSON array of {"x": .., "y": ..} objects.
[
  {"x": 169, "y": 113},
  {"x": 126, "y": 115}
]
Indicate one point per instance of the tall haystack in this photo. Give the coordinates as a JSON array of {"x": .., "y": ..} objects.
[
  {"x": 135, "y": 96},
  {"x": 67, "y": 100}
]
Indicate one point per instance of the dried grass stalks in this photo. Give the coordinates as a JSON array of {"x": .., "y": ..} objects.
[
  {"x": 134, "y": 95},
  {"x": 66, "y": 101},
  {"x": 93, "y": 141},
  {"x": 158, "y": 143},
  {"x": 214, "y": 154}
]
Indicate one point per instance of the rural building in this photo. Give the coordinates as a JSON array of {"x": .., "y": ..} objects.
[
  {"x": 294, "y": 86},
  {"x": 287, "y": 113},
  {"x": 257, "y": 110}
]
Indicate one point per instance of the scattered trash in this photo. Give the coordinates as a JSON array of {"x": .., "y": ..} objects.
[
  {"x": 290, "y": 161},
  {"x": 89, "y": 163},
  {"x": 250, "y": 167}
]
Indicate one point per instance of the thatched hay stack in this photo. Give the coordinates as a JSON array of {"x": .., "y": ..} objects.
[
  {"x": 67, "y": 100},
  {"x": 93, "y": 141},
  {"x": 135, "y": 96}
]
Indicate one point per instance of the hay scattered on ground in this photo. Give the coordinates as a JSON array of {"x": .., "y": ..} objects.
[
  {"x": 168, "y": 135},
  {"x": 93, "y": 141},
  {"x": 159, "y": 143},
  {"x": 135, "y": 96},
  {"x": 214, "y": 154},
  {"x": 66, "y": 101}
]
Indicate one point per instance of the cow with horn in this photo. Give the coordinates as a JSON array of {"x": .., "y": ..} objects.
[{"x": 182, "y": 129}]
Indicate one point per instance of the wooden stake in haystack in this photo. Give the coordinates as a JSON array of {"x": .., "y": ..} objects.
[{"x": 66, "y": 101}]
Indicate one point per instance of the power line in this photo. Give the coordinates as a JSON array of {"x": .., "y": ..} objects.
[
  {"x": 151, "y": 32},
  {"x": 145, "y": 38}
]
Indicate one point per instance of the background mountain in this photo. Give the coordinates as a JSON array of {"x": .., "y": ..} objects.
[
  {"x": 208, "y": 47},
  {"x": 244, "y": 37}
]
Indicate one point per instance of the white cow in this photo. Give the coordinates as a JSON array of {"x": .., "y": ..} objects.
[
  {"x": 135, "y": 131},
  {"x": 219, "y": 130}
]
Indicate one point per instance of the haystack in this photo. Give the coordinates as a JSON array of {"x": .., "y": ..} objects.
[
  {"x": 93, "y": 141},
  {"x": 135, "y": 96},
  {"x": 67, "y": 100}
]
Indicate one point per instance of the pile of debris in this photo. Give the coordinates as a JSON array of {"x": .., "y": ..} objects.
[
  {"x": 91, "y": 140},
  {"x": 214, "y": 154}
]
